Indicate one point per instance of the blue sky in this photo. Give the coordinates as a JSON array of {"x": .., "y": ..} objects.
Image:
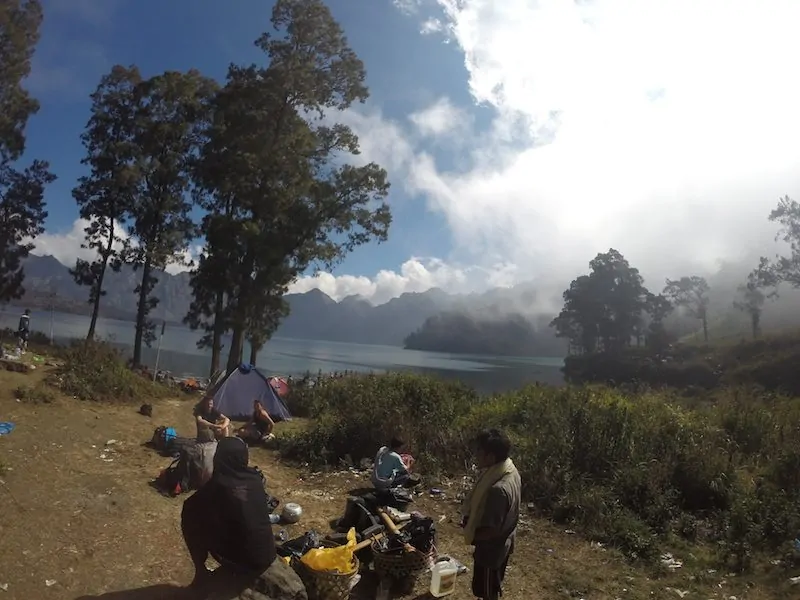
[
  {"x": 521, "y": 137},
  {"x": 82, "y": 40}
]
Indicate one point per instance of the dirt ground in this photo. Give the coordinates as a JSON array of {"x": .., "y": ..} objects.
[{"x": 78, "y": 518}]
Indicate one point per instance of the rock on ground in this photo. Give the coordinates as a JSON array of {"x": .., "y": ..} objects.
[{"x": 278, "y": 582}]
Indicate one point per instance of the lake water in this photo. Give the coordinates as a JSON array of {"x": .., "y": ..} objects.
[{"x": 283, "y": 356}]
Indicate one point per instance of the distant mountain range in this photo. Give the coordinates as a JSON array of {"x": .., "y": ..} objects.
[{"x": 314, "y": 315}]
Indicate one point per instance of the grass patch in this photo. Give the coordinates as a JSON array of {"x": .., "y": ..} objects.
[
  {"x": 635, "y": 471},
  {"x": 35, "y": 394},
  {"x": 96, "y": 371}
]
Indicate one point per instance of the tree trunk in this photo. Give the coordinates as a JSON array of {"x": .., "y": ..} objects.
[
  {"x": 254, "y": 348},
  {"x": 237, "y": 348},
  {"x": 141, "y": 314},
  {"x": 239, "y": 316},
  {"x": 705, "y": 328},
  {"x": 99, "y": 291},
  {"x": 755, "y": 320},
  {"x": 96, "y": 303},
  {"x": 219, "y": 330}
]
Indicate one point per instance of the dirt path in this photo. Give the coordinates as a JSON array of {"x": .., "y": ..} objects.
[{"x": 77, "y": 516}]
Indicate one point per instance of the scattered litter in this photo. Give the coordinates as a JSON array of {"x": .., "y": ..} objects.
[
  {"x": 49, "y": 582},
  {"x": 111, "y": 442},
  {"x": 569, "y": 532},
  {"x": 794, "y": 580},
  {"x": 4, "y": 587},
  {"x": 6, "y": 427},
  {"x": 442, "y": 519},
  {"x": 671, "y": 562},
  {"x": 681, "y": 593}
]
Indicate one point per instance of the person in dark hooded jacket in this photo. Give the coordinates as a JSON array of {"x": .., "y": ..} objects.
[{"x": 228, "y": 517}]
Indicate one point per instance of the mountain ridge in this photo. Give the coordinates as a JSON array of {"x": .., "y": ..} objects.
[{"x": 314, "y": 314}]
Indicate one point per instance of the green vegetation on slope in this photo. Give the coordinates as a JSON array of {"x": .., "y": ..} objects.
[
  {"x": 630, "y": 470},
  {"x": 769, "y": 363},
  {"x": 97, "y": 371}
]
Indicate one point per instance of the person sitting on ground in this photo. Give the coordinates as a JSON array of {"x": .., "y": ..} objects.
[
  {"x": 260, "y": 426},
  {"x": 228, "y": 518},
  {"x": 491, "y": 512},
  {"x": 390, "y": 470},
  {"x": 208, "y": 417}
]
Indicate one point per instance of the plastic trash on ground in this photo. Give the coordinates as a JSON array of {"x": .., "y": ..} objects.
[{"x": 338, "y": 560}]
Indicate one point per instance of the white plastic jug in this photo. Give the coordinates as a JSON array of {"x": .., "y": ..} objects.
[{"x": 443, "y": 578}]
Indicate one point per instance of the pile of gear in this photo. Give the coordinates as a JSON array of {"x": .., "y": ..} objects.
[{"x": 377, "y": 534}]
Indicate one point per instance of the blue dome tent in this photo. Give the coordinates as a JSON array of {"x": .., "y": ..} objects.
[{"x": 234, "y": 396}]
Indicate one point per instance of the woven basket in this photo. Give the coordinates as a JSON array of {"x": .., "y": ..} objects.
[
  {"x": 322, "y": 585},
  {"x": 400, "y": 565}
]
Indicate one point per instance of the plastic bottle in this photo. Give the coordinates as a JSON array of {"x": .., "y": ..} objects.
[{"x": 443, "y": 578}]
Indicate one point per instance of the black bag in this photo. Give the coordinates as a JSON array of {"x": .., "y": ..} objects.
[
  {"x": 162, "y": 437},
  {"x": 176, "y": 445},
  {"x": 185, "y": 473},
  {"x": 359, "y": 514}
]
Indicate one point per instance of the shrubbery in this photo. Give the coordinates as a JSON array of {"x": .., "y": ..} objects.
[
  {"x": 629, "y": 470},
  {"x": 770, "y": 362},
  {"x": 37, "y": 394},
  {"x": 355, "y": 415},
  {"x": 97, "y": 371}
]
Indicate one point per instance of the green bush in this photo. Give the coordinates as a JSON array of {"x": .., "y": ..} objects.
[
  {"x": 357, "y": 414},
  {"x": 627, "y": 469},
  {"x": 95, "y": 370}
]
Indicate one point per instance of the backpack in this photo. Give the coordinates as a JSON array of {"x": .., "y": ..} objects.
[
  {"x": 162, "y": 436},
  {"x": 185, "y": 473}
]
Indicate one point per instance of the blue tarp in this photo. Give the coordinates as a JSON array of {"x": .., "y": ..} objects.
[{"x": 234, "y": 397}]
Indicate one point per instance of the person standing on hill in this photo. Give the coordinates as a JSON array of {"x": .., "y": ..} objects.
[
  {"x": 24, "y": 330},
  {"x": 491, "y": 513}
]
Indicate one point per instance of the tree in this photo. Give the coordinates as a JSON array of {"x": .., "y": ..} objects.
[
  {"x": 690, "y": 293},
  {"x": 20, "y": 22},
  {"x": 211, "y": 281},
  {"x": 603, "y": 310},
  {"x": 751, "y": 295},
  {"x": 276, "y": 166},
  {"x": 170, "y": 121},
  {"x": 264, "y": 321},
  {"x": 105, "y": 196},
  {"x": 22, "y": 206},
  {"x": 658, "y": 308},
  {"x": 787, "y": 214}
]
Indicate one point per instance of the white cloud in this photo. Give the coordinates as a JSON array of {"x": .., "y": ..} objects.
[
  {"x": 408, "y": 7},
  {"x": 664, "y": 128},
  {"x": 415, "y": 275},
  {"x": 440, "y": 118},
  {"x": 66, "y": 246}
]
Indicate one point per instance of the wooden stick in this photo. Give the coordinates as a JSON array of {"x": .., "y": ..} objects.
[
  {"x": 373, "y": 538},
  {"x": 393, "y": 528}
]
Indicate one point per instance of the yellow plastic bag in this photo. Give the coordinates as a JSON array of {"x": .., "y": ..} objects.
[{"x": 339, "y": 559}]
